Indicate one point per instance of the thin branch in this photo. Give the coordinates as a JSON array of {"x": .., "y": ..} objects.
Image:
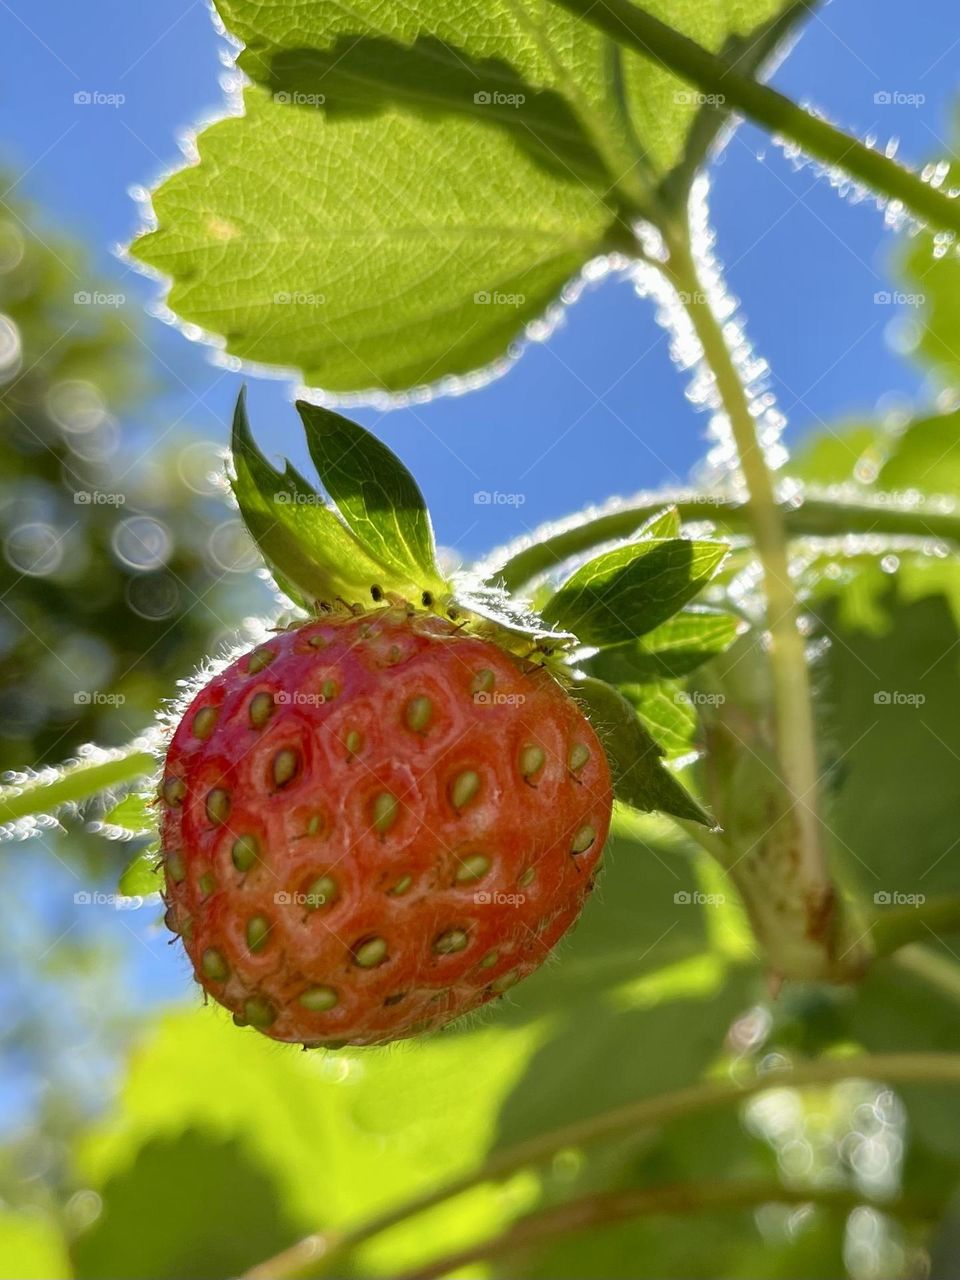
[
  {"x": 317, "y": 1253},
  {"x": 814, "y": 516},
  {"x": 601, "y": 1210},
  {"x": 51, "y": 789}
]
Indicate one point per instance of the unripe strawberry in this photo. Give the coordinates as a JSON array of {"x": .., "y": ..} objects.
[{"x": 374, "y": 824}]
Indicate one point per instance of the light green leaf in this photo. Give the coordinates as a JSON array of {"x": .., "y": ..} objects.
[
  {"x": 412, "y": 185},
  {"x": 133, "y": 813},
  {"x": 674, "y": 649},
  {"x": 665, "y": 524},
  {"x": 312, "y": 554},
  {"x": 626, "y": 592},
  {"x": 369, "y": 252},
  {"x": 343, "y": 1135},
  {"x": 925, "y": 456},
  {"x": 668, "y": 711},
  {"x": 32, "y": 1246},
  {"x": 143, "y": 875},
  {"x": 375, "y": 494},
  {"x": 636, "y": 761}
]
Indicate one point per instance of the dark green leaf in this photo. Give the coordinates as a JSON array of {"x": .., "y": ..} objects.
[
  {"x": 636, "y": 761},
  {"x": 192, "y": 1205},
  {"x": 375, "y": 494},
  {"x": 626, "y": 592},
  {"x": 311, "y": 552}
]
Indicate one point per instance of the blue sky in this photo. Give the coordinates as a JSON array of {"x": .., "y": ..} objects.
[{"x": 597, "y": 411}]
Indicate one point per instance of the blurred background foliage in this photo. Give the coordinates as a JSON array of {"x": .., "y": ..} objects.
[{"x": 145, "y": 1136}]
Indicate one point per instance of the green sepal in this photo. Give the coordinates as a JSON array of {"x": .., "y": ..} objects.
[
  {"x": 636, "y": 761},
  {"x": 376, "y": 496},
  {"x": 625, "y": 593},
  {"x": 310, "y": 551},
  {"x": 142, "y": 875}
]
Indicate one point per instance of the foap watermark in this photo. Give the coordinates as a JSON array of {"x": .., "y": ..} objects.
[
  {"x": 897, "y": 298},
  {"x": 97, "y": 98},
  {"x": 691, "y": 98},
  {"x": 495, "y": 98},
  {"x": 896, "y": 898},
  {"x": 493, "y": 698},
  {"x": 495, "y": 298},
  {"x": 309, "y": 900},
  {"x": 96, "y": 498},
  {"x": 697, "y": 698},
  {"x": 694, "y": 898},
  {"x": 299, "y": 299},
  {"x": 898, "y": 698},
  {"x": 494, "y": 898},
  {"x": 96, "y": 298},
  {"x": 297, "y": 698},
  {"x": 294, "y": 498},
  {"x": 486, "y": 498},
  {"x": 97, "y": 698},
  {"x": 119, "y": 901},
  {"x": 898, "y": 98},
  {"x": 295, "y": 98}
]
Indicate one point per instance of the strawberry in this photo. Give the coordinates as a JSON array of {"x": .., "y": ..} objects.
[{"x": 373, "y": 824}]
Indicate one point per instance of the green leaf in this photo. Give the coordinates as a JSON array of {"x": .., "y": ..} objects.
[
  {"x": 375, "y": 494},
  {"x": 411, "y": 186},
  {"x": 369, "y": 252},
  {"x": 892, "y": 721},
  {"x": 334, "y": 1131},
  {"x": 668, "y": 712},
  {"x": 312, "y": 554},
  {"x": 133, "y": 813},
  {"x": 690, "y": 1012},
  {"x": 636, "y": 761},
  {"x": 665, "y": 524},
  {"x": 925, "y": 456},
  {"x": 32, "y": 1245},
  {"x": 626, "y": 592},
  {"x": 207, "y": 1187},
  {"x": 143, "y": 875},
  {"x": 671, "y": 650}
]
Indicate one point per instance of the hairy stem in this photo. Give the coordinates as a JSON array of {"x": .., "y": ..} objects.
[
  {"x": 814, "y": 516},
  {"x": 605, "y": 1209},
  {"x": 793, "y": 703},
  {"x": 52, "y": 789},
  {"x": 716, "y": 77},
  {"x": 319, "y": 1253}
]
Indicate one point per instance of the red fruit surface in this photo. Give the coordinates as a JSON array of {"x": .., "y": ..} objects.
[{"x": 374, "y": 824}]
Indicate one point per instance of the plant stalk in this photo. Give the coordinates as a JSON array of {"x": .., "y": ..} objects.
[
  {"x": 638, "y": 30},
  {"x": 816, "y": 516},
  {"x": 74, "y": 783},
  {"x": 605, "y": 1209},
  {"x": 794, "y": 732},
  {"x": 317, "y": 1254}
]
